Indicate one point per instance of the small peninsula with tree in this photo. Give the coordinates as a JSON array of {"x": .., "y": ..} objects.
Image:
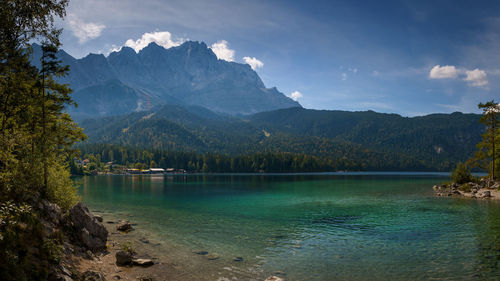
[{"x": 486, "y": 158}]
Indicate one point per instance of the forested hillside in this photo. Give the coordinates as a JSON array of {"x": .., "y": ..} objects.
[{"x": 337, "y": 140}]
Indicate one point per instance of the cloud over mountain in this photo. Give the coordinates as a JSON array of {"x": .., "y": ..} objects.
[
  {"x": 222, "y": 51},
  {"x": 84, "y": 31},
  {"x": 253, "y": 62},
  {"x": 162, "y": 38},
  {"x": 296, "y": 95}
]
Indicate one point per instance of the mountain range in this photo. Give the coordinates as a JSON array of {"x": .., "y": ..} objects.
[
  {"x": 185, "y": 99},
  {"x": 188, "y": 75}
]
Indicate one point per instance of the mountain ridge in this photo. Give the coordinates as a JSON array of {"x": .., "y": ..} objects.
[{"x": 189, "y": 75}]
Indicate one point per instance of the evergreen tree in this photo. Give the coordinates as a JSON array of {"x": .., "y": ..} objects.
[
  {"x": 461, "y": 174},
  {"x": 488, "y": 154}
]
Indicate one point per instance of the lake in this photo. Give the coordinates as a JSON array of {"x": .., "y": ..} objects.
[{"x": 338, "y": 226}]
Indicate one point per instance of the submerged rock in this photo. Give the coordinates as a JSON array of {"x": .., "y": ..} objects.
[
  {"x": 92, "y": 233},
  {"x": 274, "y": 278},
  {"x": 124, "y": 226},
  {"x": 212, "y": 256},
  {"x": 200, "y": 252}
]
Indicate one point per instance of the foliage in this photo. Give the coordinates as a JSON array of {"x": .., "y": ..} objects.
[
  {"x": 34, "y": 131},
  {"x": 127, "y": 247},
  {"x": 466, "y": 187},
  {"x": 461, "y": 174},
  {"x": 62, "y": 190},
  {"x": 20, "y": 236},
  {"x": 53, "y": 250},
  {"x": 12, "y": 217}
]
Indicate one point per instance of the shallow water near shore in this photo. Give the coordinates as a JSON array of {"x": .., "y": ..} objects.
[{"x": 339, "y": 226}]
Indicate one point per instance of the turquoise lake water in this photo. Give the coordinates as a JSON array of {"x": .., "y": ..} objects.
[{"x": 351, "y": 226}]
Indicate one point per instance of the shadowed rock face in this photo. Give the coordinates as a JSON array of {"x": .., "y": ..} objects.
[
  {"x": 92, "y": 233},
  {"x": 189, "y": 74}
]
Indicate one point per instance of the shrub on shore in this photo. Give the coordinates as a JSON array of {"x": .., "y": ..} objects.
[{"x": 461, "y": 174}]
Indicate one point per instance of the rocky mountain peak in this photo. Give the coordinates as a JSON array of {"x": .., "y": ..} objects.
[{"x": 189, "y": 74}]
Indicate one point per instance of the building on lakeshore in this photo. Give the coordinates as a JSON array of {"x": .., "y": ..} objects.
[{"x": 156, "y": 170}]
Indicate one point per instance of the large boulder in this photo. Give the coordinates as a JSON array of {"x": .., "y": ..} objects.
[
  {"x": 92, "y": 233},
  {"x": 123, "y": 258}
]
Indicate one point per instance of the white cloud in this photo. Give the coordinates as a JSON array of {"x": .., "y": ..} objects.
[
  {"x": 476, "y": 77},
  {"x": 253, "y": 62},
  {"x": 114, "y": 48},
  {"x": 344, "y": 76},
  {"x": 82, "y": 30},
  {"x": 296, "y": 95},
  {"x": 442, "y": 72},
  {"x": 222, "y": 51},
  {"x": 162, "y": 38}
]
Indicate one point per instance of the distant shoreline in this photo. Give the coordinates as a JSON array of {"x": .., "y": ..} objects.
[{"x": 443, "y": 174}]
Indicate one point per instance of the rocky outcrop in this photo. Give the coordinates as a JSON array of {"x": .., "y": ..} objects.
[
  {"x": 51, "y": 216},
  {"x": 51, "y": 211},
  {"x": 93, "y": 234},
  {"x": 481, "y": 189}
]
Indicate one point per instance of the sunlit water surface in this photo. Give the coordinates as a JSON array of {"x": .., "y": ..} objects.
[{"x": 351, "y": 226}]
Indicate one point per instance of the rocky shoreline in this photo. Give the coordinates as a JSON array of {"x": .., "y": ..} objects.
[
  {"x": 483, "y": 189},
  {"x": 98, "y": 248}
]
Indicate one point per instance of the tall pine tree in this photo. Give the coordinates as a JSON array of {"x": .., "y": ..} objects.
[{"x": 488, "y": 154}]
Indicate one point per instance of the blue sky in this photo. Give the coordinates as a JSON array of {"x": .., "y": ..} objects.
[{"x": 406, "y": 57}]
